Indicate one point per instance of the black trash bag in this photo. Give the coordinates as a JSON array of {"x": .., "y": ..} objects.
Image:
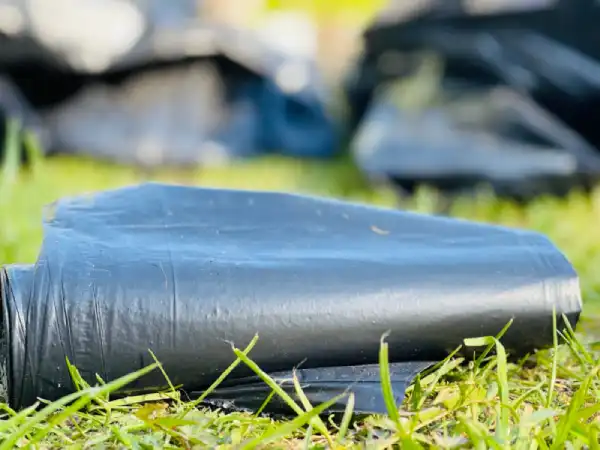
[
  {"x": 467, "y": 137},
  {"x": 543, "y": 50},
  {"x": 181, "y": 92},
  {"x": 186, "y": 271}
]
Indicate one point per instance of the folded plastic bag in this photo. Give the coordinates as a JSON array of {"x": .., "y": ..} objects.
[
  {"x": 471, "y": 135},
  {"x": 182, "y": 115},
  {"x": 541, "y": 51},
  {"x": 186, "y": 271},
  {"x": 178, "y": 91}
]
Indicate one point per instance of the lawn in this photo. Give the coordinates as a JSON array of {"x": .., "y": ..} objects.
[{"x": 549, "y": 400}]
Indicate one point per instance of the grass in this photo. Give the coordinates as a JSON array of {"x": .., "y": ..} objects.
[{"x": 549, "y": 400}]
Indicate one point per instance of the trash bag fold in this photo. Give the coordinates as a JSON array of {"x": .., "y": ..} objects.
[{"x": 186, "y": 271}]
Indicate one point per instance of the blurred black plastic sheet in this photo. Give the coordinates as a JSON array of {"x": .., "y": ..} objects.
[
  {"x": 467, "y": 136},
  {"x": 184, "y": 271},
  {"x": 151, "y": 83},
  {"x": 534, "y": 69}
]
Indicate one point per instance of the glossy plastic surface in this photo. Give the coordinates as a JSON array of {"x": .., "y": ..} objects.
[{"x": 186, "y": 271}]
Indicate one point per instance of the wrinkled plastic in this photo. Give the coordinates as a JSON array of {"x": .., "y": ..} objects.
[
  {"x": 320, "y": 385},
  {"x": 544, "y": 51},
  {"x": 183, "y": 92},
  {"x": 472, "y": 136},
  {"x": 185, "y": 271}
]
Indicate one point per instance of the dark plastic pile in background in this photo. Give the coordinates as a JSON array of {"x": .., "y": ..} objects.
[
  {"x": 544, "y": 57},
  {"x": 187, "y": 91},
  {"x": 185, "y": 271}
]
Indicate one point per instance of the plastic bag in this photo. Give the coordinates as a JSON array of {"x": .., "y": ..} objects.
[
  {"x": 473, "y": 136},
  {"x": 150, "y": 83},
  {"x": 543, "y": 52},
  {"x": 186, "y": 271}
]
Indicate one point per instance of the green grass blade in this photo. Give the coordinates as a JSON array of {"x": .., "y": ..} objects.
[
  {"x": 33, "y": 151},
  {"x": 594, "y": 438},
  {"x": 503, "y": 426},
  {"x": 308, "y": 437},
  {"x": 568, "y": 420},
  {"x": 222, "y": 377},
  {"x": 307, "y": 407},
  {"x": 264, "y": 404},
  {"x": 346, "y": 419},
  {"x": 275, "y": 387},
  {"x": 12, "y": 152},
  {"x": 536, "y": 389},
  {"x": 554, "y": 359},
  {"x": 18, "y": 418},
  {"x": 386, "y": 382},
  {"x": 78, "y": 382},
  {"x": 432, "y": 375},
  {"x": 489, "y": 348},
  {"x": 172, "y": 388},
  {"x": 287, "y": 428},
  {"x": 81, "y": 398},
  {"x": 575, "y": 344}
]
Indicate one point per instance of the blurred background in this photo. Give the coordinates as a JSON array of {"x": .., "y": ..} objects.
[{"x": 477, "y": 109}]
